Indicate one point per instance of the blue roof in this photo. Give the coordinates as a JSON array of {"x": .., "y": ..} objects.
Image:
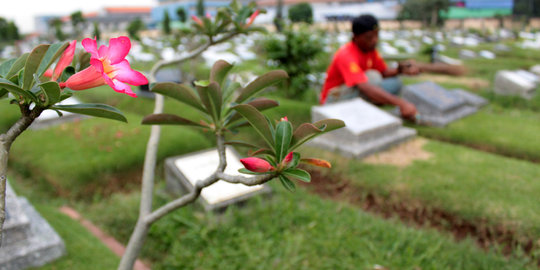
[{"x": 489, "y": 4}]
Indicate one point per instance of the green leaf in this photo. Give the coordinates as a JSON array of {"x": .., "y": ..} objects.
[
  {"x": 53, "y": 52},
  {"x": 258, "y": 121},
  {"x": 6, "y": 66},
  {"x": 16, "y": 90},
  {"x": 288, "y": 184},
  {"x": 282, "y": 139},
  {"x": 97, "y": 110},
  {"x": 307, "y": 131},
  {"x": 17, "y": 66},
  {"x": 219, "y": 71},
  {"x": 169, "y": 119},
  {"x": 66, "y": 73},
  {"x": 246, "y": 171},
  {"x": 260, "y": 83},
  {"x": 211, "y": 98},
  {"x": 298, "y": 174},
  {"x": 260, "y": 104},
  {"x": 229, "y": 91},
  {"x": 179, "y": 92},
  {"x": 32, "y": 64},
  {"x": 51, "y": 91}
]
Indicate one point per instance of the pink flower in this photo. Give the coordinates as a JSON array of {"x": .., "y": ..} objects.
[
  {"x": 252, "y": 18},
  {"x": 107, "y": 66},
  {"x": 197, "y": 20},
  {"x": 284, "y": 119},
  {"x": 256, "y": 164},
  {"x": 65, "y": 60}
]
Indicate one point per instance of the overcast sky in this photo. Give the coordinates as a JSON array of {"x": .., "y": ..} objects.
[{"x": 23, "y": 11}]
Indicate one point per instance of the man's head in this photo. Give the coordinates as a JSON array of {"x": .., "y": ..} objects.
[{"x": 365, "y": 30}]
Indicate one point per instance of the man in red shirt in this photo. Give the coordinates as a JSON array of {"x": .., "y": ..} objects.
[{"x": 358, "y": 57}]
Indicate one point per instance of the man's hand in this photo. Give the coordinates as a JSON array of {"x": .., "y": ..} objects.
[
  {"x": 408, "y": 110},
  {"x": 408, "y": 67}
]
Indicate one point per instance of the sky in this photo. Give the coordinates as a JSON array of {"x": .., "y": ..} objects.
[{"x": 23, "y": 11}]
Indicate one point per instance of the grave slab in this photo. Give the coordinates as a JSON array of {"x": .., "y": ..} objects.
[
  {"x": 49, "y": 118},
  {"x": 511, "y": 83},
  {"x": 29, "y": 241},
  {"x": 470, "y": 98},
  {"x": 535, "y": 69},
  {"x": 367, "y": 130},
  {"x": 436, "y": 106},
  {"x": 183, "y": 172}
]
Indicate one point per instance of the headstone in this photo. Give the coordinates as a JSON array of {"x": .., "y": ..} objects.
[
  {"x": 470, "y": 98},
  {"x": 183, "y": 172},
  {"x": 501, "y": 48},
  {"x": 511, "y": 83},
  {"x": 436, "y": 106},
  {"x": 467, "y": 54},
  {"x": 528, "y": 76},
  {"x": 28, "y": 240},
  {"x": 535, "y": 69},
  {"x": 447, "y": 60},
  {"x": 367, "y": 130},
  {"x": 49, "y": 118},
  {"x": 486, "y": 54}
]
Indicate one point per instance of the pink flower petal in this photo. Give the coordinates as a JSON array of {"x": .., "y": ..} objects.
[
  {"x": 90, "y": 45},
  {"x": 65, "y": 60},
  {"x": 48, "y": 73},
  {"x": 119, "y": 86},
  {"x": 85, "y": 79},
  {"x": 97, "y": 64},
  {"x": 124, "y": 73},
  {"x": 118, "y": 49},
  {"x": 103, "y": 51}
]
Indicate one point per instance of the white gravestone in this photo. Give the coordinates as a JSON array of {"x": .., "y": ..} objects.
[
  {"x": 367, "y": 130},
  {"x": 28, "y": 240},
  {"x": 183, "y": 172},
  {"x": 50, "y": 118},
  {"x": 511, "y": 83}
]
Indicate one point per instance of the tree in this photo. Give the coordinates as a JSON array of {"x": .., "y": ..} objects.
[
  {"x": 8, "y": 30},
  {"x": 166, "y": 22},
  {"x": 528, "y": 8},
  {"x": 56, "y": 23},
  {"x": 200, "y": 8},
  {"x": 181, "y": 13},
  {"x": 427, "y": 11},
  {"x": 97, "y": 32},
  {"x": 278, "y": 20},
  {"x": 77, "y": 18},
  {"x": 301, "y": 12},
  {"x": 134, "y": 27}
]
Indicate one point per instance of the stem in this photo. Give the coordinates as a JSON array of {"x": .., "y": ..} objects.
[
  {"x": 6, "y": 140},
  {"x": 146, "y": 217}
]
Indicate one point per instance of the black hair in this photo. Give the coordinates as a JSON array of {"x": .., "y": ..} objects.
[{"x": 364, "y": 23}]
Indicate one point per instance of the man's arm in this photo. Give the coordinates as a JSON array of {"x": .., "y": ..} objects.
[
  {"x": 381, "y": 97},
  {"x": 409, "y": 67}
]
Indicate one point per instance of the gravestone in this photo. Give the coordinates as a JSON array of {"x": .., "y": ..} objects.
[
  {"x": 535, "y": 69},
  {"x": 50, "y": 118},
  {"x": 183, "y": 172},
  {"x": 528, "y": 76},
  {"x": 439, "y": 58},
  {"x": 511, "y": 83},
  {"x": 467, "y": 54},
  {"x": 28, "y": 240},
  {"x": 436, "y": 106},
  {"x": 470, "y": 98},
  {"x": 367, "y": 130},
  {"x": 486, "y": 54}
]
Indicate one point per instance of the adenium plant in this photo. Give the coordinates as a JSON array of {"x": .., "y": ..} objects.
[{"x": 33, "y": 87}]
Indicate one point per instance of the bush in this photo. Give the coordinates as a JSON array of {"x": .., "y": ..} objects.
[
  {"x": 297, "y": 53},
  {"x": 301, "y": 12}
]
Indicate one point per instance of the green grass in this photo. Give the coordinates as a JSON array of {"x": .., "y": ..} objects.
[
  {"x": 95, "y": 155},
  {"x": 505, "y": 131},
  {"x": 292, "y": 231},
  {"x": 471, "y": 184}
]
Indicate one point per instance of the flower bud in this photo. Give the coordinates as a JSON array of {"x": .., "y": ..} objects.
[{"x": 256, "y": 164}]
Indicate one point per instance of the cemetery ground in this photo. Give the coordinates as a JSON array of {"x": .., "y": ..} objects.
[{"x": 481, "y": 174}]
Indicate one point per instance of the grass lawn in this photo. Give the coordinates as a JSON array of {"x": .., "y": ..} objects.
[
  {"x": 291, "y": 231},
  {"x": 472, "y": 184}
]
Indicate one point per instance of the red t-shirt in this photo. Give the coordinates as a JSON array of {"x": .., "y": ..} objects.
[{"x": 348, "y": 68}]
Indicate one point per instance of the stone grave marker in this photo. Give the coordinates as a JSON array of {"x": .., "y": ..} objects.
[
  {"x": 50, "y": 118},
  {"x": 436, "y": 106},
  {"x": 511, "y": 83},
  {"x": 486, "y": 54},
  {"x": 535, "y": 69},
  {"x": 470, "y": 98},
  {"x": 28, "y": 240},
  {"x": 528, "y": 75},
  {"x": 467, "y": 54},
  {"x": 367, "y": 130},
  {"x": 183, "y": 172}
]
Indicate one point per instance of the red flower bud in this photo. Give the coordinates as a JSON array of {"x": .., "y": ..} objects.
[
  {"x": 288, "y": 158},
  {"x": 256, "y": 164},
  {"x": 284, "y": 119},
  {"x": 197, "y": 20},
  {"x": 252, "y": 18}
]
